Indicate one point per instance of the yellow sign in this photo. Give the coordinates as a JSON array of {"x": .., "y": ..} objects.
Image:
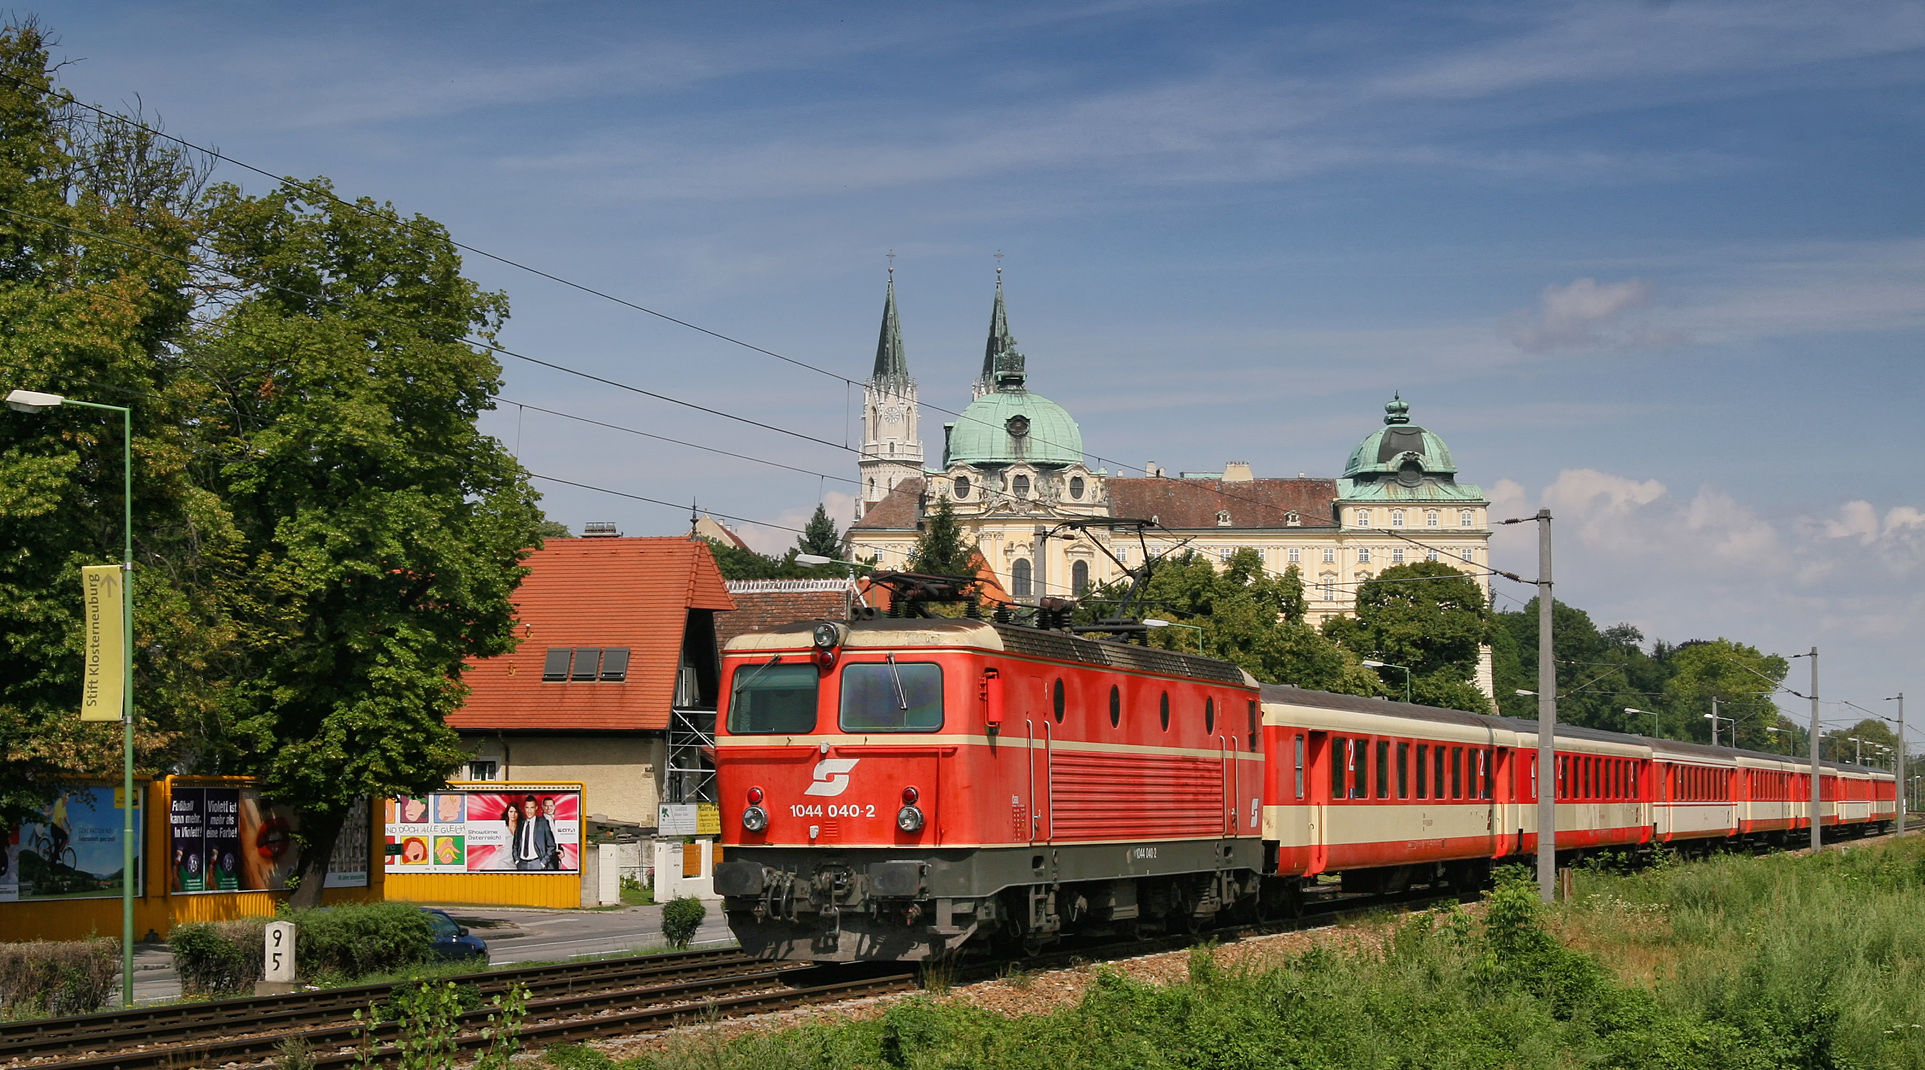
[
  {"x": 708, "y": 819},
  {"x": 101, "y": 682}
]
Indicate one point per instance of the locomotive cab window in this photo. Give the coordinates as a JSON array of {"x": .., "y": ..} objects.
[
  {"x": 891, "y": 697},
  {"x": 773, "y": 699}
]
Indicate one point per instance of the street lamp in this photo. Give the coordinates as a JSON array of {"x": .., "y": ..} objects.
[
  {"x": 818, "y": 559},
  {"x": 1714, "y": 719},
  {"x": 1152, "y": 622},
  {"x": 1388, "y": 665},
  {"x": 35, "y": 401},
  {"x": 1654, "y": 717}
]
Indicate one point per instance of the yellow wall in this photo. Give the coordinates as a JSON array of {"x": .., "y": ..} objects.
[
  {"x": 156, "y": 910},
  {"x": 503, "y": 889}
]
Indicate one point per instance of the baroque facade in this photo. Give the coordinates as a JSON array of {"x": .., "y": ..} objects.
[{"x": 1014, "y": 473}]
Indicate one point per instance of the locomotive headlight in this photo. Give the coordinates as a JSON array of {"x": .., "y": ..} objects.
[
  {"x": 909, "y": 819},
  {"x": 827, "y": 635},
  {"x": 755, "y": 819}
]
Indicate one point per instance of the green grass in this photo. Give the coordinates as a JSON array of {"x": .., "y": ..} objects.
[{"x": 1734, "y": 964}]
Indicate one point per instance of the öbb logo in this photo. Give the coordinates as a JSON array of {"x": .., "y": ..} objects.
[{"x": 831, "y": 776}]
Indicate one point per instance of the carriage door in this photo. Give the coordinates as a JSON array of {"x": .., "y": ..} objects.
[
  {"x": 1036, "y": 713},
  {"x": 1309, "y": 800}
]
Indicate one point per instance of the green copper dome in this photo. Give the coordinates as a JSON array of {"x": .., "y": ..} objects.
[
  {"x": 1397, "y": 448},
  {"x": 1013, "y": 427}
]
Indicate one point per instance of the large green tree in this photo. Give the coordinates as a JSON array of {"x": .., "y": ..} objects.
[
  {"x": 1742, "y": 679},
  {"x": 819, "y": 535},
  {"x": 941, "y": 549},
  {"x": 1600, "y": 671},
  {"x": 380, "y": 533},
  {"x": 1428, "y": 617},
  {"x": 97, "y": 221}
]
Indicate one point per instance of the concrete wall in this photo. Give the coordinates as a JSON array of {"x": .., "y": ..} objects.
[{"x": 621, "y": 775}]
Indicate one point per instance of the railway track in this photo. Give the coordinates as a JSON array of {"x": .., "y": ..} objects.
[{"x": 616, "y": 997}]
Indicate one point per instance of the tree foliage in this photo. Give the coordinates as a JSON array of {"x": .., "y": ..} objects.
[
  {"x": 819, "y": 535},
  {"x": 1428, "y": 617},
  {"x": 941, "y": 549}
]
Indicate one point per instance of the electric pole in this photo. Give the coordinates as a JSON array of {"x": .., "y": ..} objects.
[
  {"x": 1817, "y": 801},
  {"x": 1546, "y": 718}
]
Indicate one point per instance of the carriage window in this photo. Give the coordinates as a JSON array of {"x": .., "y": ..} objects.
[
  {"x": 1423, "y": 766},
  {"x": 1359, "y": 768},
  {"x": 1253, "y": 726},
  {"x": 1299, "y": 767},
  {"x": 892, "y": 697},
  {"x": 773, "y": 699},
  {"x": 1383, "y": 769},
  {"x": 1437, "y": 773},
  {"x": 1403, "y": 770},
  {"x": 1457, "y": 772},
  {"x": 1487, "y": 760},
  {"x": 1339, "y": 763}
]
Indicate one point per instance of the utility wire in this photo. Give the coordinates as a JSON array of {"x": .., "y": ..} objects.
[
  {"x": 657, "y": 501},
  {"x": 664, "y": 438}
]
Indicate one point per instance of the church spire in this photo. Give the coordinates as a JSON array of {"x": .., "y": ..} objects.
[
  {"x": 1002, "y": 363},
  {"x": 892, "y": 365}
]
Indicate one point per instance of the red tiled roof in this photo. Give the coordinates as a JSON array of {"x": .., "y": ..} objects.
[
  {"x": 897, "y": 511},
  {"x": 603, "y": 593},
  {"x": 1194, "y": 503},
  {"x": 757, "y": 610}
]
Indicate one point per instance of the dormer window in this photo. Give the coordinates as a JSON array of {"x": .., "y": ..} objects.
[
  {"x": 1292, "y": 520},
  {"x": 1076, "y": 488},
  {"x": 1223, "y": 518},
  {"x": 1019, "y": 485},
  {"x": 961, "y": 487}
]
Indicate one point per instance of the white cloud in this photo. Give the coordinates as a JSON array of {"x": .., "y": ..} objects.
[
  {"x": 777, "y": 541},
  {"x": 1586, "y": 315}
]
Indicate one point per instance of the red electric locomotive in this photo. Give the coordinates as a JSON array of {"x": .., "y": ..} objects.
[{"x": 898, "y": 788}]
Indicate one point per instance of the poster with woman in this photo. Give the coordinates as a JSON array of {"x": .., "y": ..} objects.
[{"x": 528, "y": 828}]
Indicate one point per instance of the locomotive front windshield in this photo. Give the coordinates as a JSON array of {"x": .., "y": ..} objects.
[
  {"x": 891, "y": 697},
  {"x": 773, "y": 699}
]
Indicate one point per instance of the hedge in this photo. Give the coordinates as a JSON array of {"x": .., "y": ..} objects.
[
  {"x": 58, "y": 977},
  {"x": 331, "y": 944}
]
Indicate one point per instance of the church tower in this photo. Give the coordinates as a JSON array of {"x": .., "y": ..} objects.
[{"x": 891, "y": 441}]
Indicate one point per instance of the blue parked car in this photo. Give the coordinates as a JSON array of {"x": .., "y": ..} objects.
[{"x": 451, "y": 940}]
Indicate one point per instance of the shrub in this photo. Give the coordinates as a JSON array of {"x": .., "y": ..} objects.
[
  {"x": 681, "y": 918},
  {"x": 58, "y": 977},
  {"x": 216, "y": 958},
  {"x": 353, "y": 940}
]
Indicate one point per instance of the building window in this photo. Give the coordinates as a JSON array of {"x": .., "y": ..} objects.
[
  {"x": 588, "y": 663},
  {"x": 1363, "y": 518},
  {"x": 1397, "y": 555},
  {"x": 1292, "y": 520},
  {"x": 1123, "y": 555},
  {"x": 1430, "y": 518},
  {"x": 962, "y": 487},
  {"x": 1223, "y": 553},
  {"x": 1296, "y": 555},
  {"x": 872, "y": 486},
  {"x": 1363, "y": 555},
  {"x": 1079, "y": 579},
  {"x": 1465, "y": 517},
  {"x": 1396, "y": 518},
  {"x": 1020, "y": 485},
  {"x": 1019, "y": 585},
  {"x": 1327, "y": 587},
  {"x": 1465, "y": 552},
  {"x": 479, "y": 770},
  {"x": 1430, "y": 555},
  {"x": 1223, "y": 518},
  {"x": 1329, "y": 555},
  {"x": 1076, "y": 487}
]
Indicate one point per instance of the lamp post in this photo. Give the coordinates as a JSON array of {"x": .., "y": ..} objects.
[
  {"x": 1546, "y": 712},
  {"x": 1900, "y": 767},
  {"x": 1714, "y": 718},
  {"x": 1152, "y": 622},
  {"x": 818, "y": 559},
  {"x": 1406, "y": 676},
  {"x": 34, "y": 401},
  {"x": 1653, "y": 714}
]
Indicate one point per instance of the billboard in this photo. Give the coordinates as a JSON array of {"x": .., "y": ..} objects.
[
  {"x": 226, "y": 839},
  {"x": 73, "y": 851},
  {"x": 505, "y": 828}
]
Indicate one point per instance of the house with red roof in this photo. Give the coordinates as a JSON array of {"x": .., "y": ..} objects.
[{"x": 617, "y": 656}]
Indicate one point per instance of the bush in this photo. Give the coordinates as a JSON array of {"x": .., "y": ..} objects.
[
  {"x": 353, "y": 940},
  {"x": 217, "y": 958},
  {"x": 58, "y": 977},
  {"x": 681, "y": 919}
]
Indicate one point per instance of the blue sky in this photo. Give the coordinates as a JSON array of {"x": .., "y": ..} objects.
[{"x": 1658, "y": 265}]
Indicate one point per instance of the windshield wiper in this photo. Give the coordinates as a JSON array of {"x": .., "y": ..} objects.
[
  {"x": 741, "y": 683},
  {"x": 902, "y": 700}
]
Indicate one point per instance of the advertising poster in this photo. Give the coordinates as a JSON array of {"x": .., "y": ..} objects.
[
  {"x": 503, "y": 829},
  {"x": 72, "y": 852},
  {"x": 228, "y": 840}
]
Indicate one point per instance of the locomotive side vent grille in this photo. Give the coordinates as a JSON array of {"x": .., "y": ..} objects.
[{"x": 1049, "y": 644}]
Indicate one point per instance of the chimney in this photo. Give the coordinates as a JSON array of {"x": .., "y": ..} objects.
[
  {"x": 1237, "y": 472},
  {"x": 1153, "y": 470},
  {"x": 600, "y": 529}
]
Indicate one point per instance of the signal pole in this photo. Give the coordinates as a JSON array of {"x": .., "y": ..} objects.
[
  {"x": 1546, "y": 719},
  {"x": 1817, "y": 818}
]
